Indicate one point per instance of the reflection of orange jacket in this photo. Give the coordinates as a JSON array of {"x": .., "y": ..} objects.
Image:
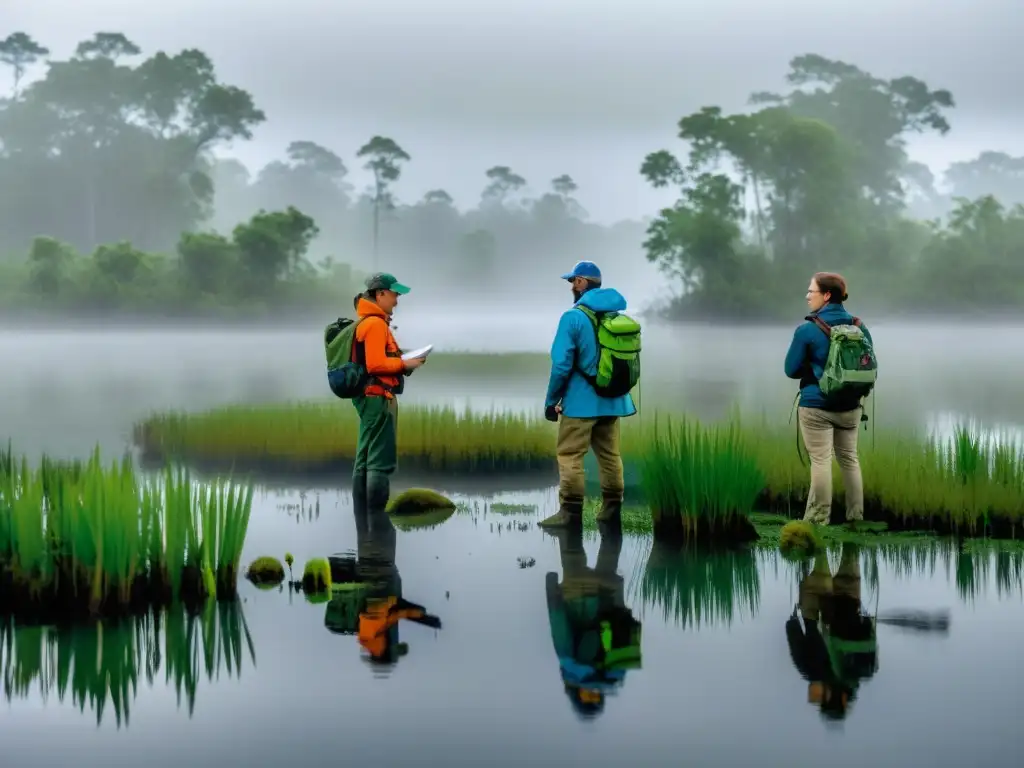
[
  {"x": 378, "y": 618},
  {"x": 383, "y": 357}
]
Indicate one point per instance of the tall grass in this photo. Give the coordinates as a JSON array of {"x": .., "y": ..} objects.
[
  {"x": 705, "y": 476},
  {"x": 86, "y": 535},
  {"x": 964, "y": 481},
  {"x": 100, "y": 665}
]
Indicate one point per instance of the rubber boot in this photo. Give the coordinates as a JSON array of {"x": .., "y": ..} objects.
[
  {"x": 378, "y": 490},
  {"x": 611, "y": 508},
  {"x": 569, "y": 515},
  {"x": 359, "y": 489}
]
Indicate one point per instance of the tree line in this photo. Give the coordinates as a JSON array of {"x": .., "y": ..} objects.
[
  {"x": 819, "y": 179},
  {"x": 111, "y": 186}
]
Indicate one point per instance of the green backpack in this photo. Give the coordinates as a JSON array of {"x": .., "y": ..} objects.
[
  {"x": 851, "y": 365},
  {"x": 346, "y": 377},
  {"x": 618, "y": 353}
]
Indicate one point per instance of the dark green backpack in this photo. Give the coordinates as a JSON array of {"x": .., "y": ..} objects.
[
  {"x": 347, "y": 377},
  {"x": 618, "y": 353}
]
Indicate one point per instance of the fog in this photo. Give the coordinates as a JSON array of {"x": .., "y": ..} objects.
[
  {"x": 541, "y": 91},
  {"x": 517, "y": 136},
  {"x": 71, "y": 390}
]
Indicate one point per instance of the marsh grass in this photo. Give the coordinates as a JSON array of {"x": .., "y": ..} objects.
[
  {"x": 82, "y": 537},
  {"x": 100, "y": 665},
  {"x": 965, "y": 484},
  {"x": 700, "y": 483}
]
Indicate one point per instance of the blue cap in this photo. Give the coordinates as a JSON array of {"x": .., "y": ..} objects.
[{"x": 587, "y": 269}]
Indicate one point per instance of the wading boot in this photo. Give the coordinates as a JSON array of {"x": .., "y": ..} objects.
[
  {"x": 378, "y": 490},
  {"x": 359, "y": 489},
  {"x": 611, "y": 508},
  {"x": 569, "y": 515}
]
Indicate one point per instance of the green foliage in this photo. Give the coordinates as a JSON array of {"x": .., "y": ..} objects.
[
  {"x": 699, "y": 473},
  {"x": 99, "y": 532},
  {"x": 799, "y": 539},
  {"x": 262, "y": 265},
  {"x": 822, "y": 172},
  {"x": 316, "y": 576},
  {"x": 688, "y": 469}
]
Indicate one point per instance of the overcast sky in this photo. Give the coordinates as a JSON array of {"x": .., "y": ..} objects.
[{"x": 562, "y": 86}]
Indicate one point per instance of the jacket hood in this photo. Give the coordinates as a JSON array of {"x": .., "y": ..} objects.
[
  {"x": 367, "y": 308},
  {"x": 834, "y": 312},
  {"x": 603, "y": 300}
]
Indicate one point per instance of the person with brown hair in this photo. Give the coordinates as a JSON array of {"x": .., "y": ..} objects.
[{"x": 828, "y": 421}]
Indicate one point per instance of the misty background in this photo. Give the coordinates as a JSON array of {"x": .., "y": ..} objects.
[{"x": 515, "y": 141}]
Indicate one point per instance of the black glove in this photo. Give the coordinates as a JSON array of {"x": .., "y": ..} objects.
[{"x": 550, "y": 413}]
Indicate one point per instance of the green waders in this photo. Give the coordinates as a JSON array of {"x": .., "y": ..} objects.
[{"x": 376, "y": 448}]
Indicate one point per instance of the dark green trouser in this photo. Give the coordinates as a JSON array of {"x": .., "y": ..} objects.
[{"x": 376, "y": 449}]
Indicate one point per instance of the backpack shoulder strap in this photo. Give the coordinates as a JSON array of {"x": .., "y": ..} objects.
[{"x": 825, "y": 327}]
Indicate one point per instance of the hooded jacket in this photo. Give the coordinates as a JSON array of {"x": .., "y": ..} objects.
[
  {"x": 807, "y": 355},
  {"x": 575, "y": 343}
]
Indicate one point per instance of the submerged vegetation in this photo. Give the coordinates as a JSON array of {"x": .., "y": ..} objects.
[
  {"x": 965, "y": 485},
  {"x": 101, "y": 664},
  {"x": 84, "y": 538}
]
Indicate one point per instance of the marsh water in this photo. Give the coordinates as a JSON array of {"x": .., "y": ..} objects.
[{"x": 278, "y": 680}]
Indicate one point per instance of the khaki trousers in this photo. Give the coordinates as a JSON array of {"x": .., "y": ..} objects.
[
  {"x": 575, "y": 438},
  {"x": 827, "y": 433}
]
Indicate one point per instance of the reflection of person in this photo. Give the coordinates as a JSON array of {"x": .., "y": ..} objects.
[
  {"x": 595, "y": 635},
  {"x": 381, "y": 605},
  {"x": 835, "y": 648}
]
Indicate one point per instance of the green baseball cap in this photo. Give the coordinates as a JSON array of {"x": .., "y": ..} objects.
[{"x": 383, "y": 281}]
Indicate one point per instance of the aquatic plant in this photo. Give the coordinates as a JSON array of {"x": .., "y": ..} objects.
[
  {"x": 798, "y": 538},
  {"x": 316, "y": 576},
  {"x": 416, "y": 501},
  {"x": 100, "y": 664},
  {"x": 963, "y": 484},
  {"x": 700, "y": 483},
  {"x": 79, "y": 537},
  {"x": 265, "y": 570}
]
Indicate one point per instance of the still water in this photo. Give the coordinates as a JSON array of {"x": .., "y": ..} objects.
[
  {"x": 64, "y": 392},
  {"x": 274, "y": 682}
]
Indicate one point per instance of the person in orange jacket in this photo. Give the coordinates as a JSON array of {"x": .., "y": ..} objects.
[{"x": 376, "y": 448}]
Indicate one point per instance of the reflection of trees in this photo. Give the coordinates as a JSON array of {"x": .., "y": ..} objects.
[
  {"x": 694, "y": 587},
  {"x": 101, "y": 663}
]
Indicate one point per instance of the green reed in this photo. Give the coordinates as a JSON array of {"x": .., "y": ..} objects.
[
  {"x": 101, "y": 535},
  {"x": 697, "y": 472}
]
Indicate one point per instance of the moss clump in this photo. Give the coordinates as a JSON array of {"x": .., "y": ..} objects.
[
  {"x": 316, "y": 576},
  {"x": 417, "y": 501},
  {"x": 799, "y": 538},
  {"x": 265, "y": 570},
  {"x": 430, "y": 519}
]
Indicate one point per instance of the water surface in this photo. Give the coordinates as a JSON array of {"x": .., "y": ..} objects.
[{"x": 717, "y": 684}]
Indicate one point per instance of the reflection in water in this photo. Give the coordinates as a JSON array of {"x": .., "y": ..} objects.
[
  {"x": 692, "y": 587},
  {"x": 366, "y": 591},
  {"x": 595, "y": 635},
  {"x": 836, "y": 646},
  {"x": 973, "y": 569},
  {"x": 101, "y": 663}
]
